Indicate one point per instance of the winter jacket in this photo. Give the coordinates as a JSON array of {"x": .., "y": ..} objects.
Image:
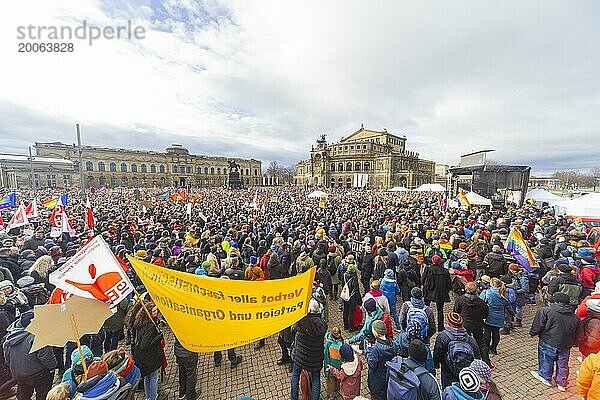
[
  {"x": 390, "y": 289},
  {"x": 496, "y": 305},
  {"x": 378, "y": 354},
  {"x": 332, "y": 353},
  {"x": 496, "y": 265},
  {"x": 349, "y": 377},
  {"x": 440, "y": 348},
  {"x": 588, "y": 380},
  {"x": 304, "y": 263},
  {"x": 588, "y": 333},
  {"x": 22, "y": 364},
  {"x": 418, "y": 303},
  {"x": 380, "y": 299},
  {"x": 454, "y": 392},
  {"x": 115, "y": 322},
  {"x": 429, "y": 388},
  {"x": 402, "y": 255},
  {"x": 568, "y": 284},
  {"x": 582, "y": 309},
  {"x": 556, "y": 325},
  {"x": 473, "y": 310},
  {"x": 308, "y": 350},
  {"x": 147, "y": 349},
  {"x": 437, "y": 284},
  {"x": 365, "y": 333},
  {"x": 353, "y": 288},
  {"x": 590, "y": 273}
]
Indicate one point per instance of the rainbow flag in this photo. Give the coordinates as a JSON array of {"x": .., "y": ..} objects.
[
  {"x": 462, "y": 199},
  {"x": 8, "y": 201},
  {"x": 516, "y": 246},
  {"x": 50, "y": 204}
]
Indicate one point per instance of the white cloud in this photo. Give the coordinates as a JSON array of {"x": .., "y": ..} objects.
[{"x": 264, "y": 78}]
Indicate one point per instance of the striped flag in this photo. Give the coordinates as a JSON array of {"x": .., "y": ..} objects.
[
  {"x": 462, "y": 199},
  {"x": 516, "y": 246},
  {"x": 8, "y": 201}
]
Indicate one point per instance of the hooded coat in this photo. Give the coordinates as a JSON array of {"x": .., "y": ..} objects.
[
  {"x": 556, "y": 325},
  {"x": 588, "y": 331},
  {"x": 147, "y": 351},
  {"x": 437, "y": 284},
  {"x": 497, "y": 265},
  {"x": 378, "y": 354},
  {"x": 309, "y": 349},
  {"x": 473, "y": 310},
  {"x": 22, "y": 364}
]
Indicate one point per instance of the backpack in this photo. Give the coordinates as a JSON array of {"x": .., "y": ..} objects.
[
  {"x": 345, "y": 293},
  {"x": 389, "y": 331},
  {"x": 418, "y": 314},
  {"x": 460, "y": 354},
  {"x": 331, "y": 266},
  {"x": 411, "y": 278},
  {"x": 403, "y": 382}
]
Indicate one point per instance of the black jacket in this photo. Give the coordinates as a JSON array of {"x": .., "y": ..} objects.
[
  {"x": 473, "y": 310},
  {"x": 147, "y": 350},
  {"x": 437, "y": 284},
  {"x": 568, "y": 284},
  {"x": 309, "y": 335},
  {"x": 556, "y": 325},
  {"x": 22, "y": 364},
  {"x": 496, "y": 265},
  {"x": 352, "y": 279},
  {"x": 366, "y": 267},
  {"x": 440, "y": 348}
]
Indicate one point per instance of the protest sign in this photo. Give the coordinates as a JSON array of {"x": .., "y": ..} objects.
[{"x": 208, "y": 314}]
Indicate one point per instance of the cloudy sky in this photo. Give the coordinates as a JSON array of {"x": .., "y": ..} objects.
[{"x": 264, "y": 79}]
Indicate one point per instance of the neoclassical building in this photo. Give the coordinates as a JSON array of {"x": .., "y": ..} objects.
[
  {"x": 106, "y": 166},
  {"x": 366, "y": 158}
]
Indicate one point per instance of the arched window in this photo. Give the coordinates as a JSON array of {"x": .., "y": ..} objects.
[
  {"x": 198, "y": 170},
  {"x": 101, "y": 167},
  {"x": 340, "y": 167},
  {"x": 102, "y": 181},
  {"x": 218, "y": 171},
  {"x": 241, "y": 171},
  {"x": 255, "y": 172},
  {"x": 188, "y": 169},
  {"x": 367, "y": 167},
  {"x": 349, "y": 166},
  {"x": 212, "y": 170},
  {"x": 133, "y": 167},
  {"x": 89, "y": 166},
  {"x": 332, "y": 167},
  {"x": 113, "y": 180},
  {"x": 340, "y": 182},
  {"x": 123, "y": 167},
  {"x": 247, "y": 171},
  {"x": 153, "y": 168},
  {"x": 161, "y": 168},
  {"x": 144, "y": 181},
  {"x": 175, "y": 169},
  {"x": 163, "y": 181},
  {"x": 144, "y": 168},
  {"x": 134, "y": 180},
  {"x": 357, "y": 166},
  {"x": 76, "y": 166},
  {"x": 206, "y": 170},
  {"x": 154, "y": 181},
  {"x": 332, "y": 182},
  {"x": 124, "y": 181},
  {"x": 113, "y": 168},
  {"x": 182, "y": 169},
  {"x": 90, "y": 180}
]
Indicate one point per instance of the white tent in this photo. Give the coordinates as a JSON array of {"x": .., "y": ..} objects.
[
  {"x": 398, "y": 189},
  {"x": 430, "y": 187},
  {"x": 478, "y": 200},
  {"x": 543, "y": 196},
  {"x": 317, "y": 194},
  {"x": 585, "y": 206}
]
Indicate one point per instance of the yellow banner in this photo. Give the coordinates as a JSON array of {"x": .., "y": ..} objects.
[{"x": 208, "y": 314}]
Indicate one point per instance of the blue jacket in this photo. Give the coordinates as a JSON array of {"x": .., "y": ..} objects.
[
  {"x": 454, "y": 392},
  {"x": 378, "y": 354},
  {"x": 390, "y": 288},
  {"x": 496, "y": 304}
]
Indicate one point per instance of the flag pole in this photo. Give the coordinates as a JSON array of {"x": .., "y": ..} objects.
[
  {"x": 81, "y": 181},
  {"x": 76, "y": 334}
]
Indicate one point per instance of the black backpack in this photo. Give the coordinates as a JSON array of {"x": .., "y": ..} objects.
[{"x": 331, "y": 266}]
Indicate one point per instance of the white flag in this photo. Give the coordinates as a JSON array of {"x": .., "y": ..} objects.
[{"x": 18, "y": 219}]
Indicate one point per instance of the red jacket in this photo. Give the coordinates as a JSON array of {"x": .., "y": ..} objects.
[
  {"x": 582, "y": 309},
  {"x": 588, "y": 276},
  {"x": 264, "y": 264}
]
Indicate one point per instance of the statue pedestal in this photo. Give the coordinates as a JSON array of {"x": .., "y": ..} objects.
[{"x": 234, "y": 180}]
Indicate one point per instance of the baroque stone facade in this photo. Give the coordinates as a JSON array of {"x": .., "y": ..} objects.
[
  {"x": 15, "y": 171},
  {"x": 366, "y": 158},
  {"x": 105, "y": 166}
]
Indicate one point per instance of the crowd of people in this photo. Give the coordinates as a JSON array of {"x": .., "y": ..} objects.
[{"x": 388, "y": 263}]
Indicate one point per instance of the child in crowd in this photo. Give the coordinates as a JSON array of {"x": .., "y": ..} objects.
[
  {"x": 333, "y": 343},
  {"x": 349, "y": 373}
]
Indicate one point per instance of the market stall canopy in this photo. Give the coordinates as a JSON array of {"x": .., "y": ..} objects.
[
  {"x": 585, "y": 206},
  {"x": 398, "y": 189},
  {"x": 478, "y": 200},
  {"x": 430, "y": 187},
  {"x": 317, "y": 194},
  {"x": 543, "y": 196}
]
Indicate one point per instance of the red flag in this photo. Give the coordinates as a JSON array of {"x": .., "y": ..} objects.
[
  {"x": 59, "y": 221},
  {"x": 31, "y": 210},
  {"x": 18, "y": 219},
  {"x": 179, "y": 196},
  {"x": 1, "y": 221},
  {"x": 89, "y": 219}
]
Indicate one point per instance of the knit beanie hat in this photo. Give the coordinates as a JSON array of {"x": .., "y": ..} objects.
[
  {"x": 485, "y": 279},
  {"x": 347, "y": 353},
  {"x": 455, "y": 320},
  {"x": 413, "y": 330},
  {"x": 417, "y": 351},
  {"x": 96, "y": 368},
  {"x": 437, "y": 260},
  {"x": 379, "y": 327},
  {"x": 561, "y": 298},
  {"x": 482, "y": 370},
  {"x": 253, "y": 260},
  {"x": 416, "y": 292},
  {"x": 369, "y": 304},
  {"x": 352, "y": 268},
  {"x": 388, "y": 273},
  {"x": 593, "y": 305},
  {"x": 514, "y": 267},
  {"x": 206, "y": 265},
  {"x": 468, "y": 380},
  {"x": 565, "y": 268}
]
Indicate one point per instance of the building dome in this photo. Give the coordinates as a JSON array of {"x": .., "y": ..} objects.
[{"x": 177, "y": 149}]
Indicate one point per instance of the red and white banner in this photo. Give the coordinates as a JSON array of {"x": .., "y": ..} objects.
[
  {"x": 18, "y": 219},
  {"x": 89, "y": 219},
  {"x": 31, "y": 210},
  {"x": 95, "y": 273},
  {"x": 59, "y": 221}
]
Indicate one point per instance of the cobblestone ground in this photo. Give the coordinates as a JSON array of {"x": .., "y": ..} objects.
[{"x": 258, "y": 375}]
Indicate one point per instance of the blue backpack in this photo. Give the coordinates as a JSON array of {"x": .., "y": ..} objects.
[
  {"x": 418, "y": 314},
  {"x": 460, "y": 353},
  {"x": 403, "y": 382}
]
